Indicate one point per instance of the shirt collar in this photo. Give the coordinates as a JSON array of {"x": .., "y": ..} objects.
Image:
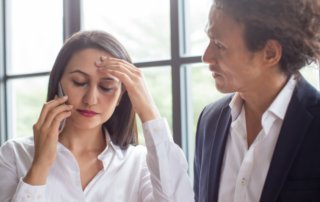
[
  {"x": 116, "y": 148},
  {"x": 236, "y": 106},
  {"x": 280, "y": 104},
  {"x": 277, "y": 109}
]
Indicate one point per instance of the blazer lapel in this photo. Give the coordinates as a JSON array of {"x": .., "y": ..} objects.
[
  {"x": 217, "y": 153},
  {"x": 293, "y": 130}
]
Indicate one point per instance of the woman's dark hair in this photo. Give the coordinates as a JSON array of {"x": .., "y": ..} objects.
[
  {"x": 122, "y": 125},
  {"x": 295, "y": 24}
]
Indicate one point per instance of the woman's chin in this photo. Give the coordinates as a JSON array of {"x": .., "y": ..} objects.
[{"x": 87, "y": 125}]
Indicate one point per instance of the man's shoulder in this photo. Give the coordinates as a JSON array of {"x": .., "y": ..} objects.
[{"x": 214, "y": 108}]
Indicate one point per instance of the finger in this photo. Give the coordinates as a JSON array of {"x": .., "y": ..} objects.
[
  {"x": 118, "y": 67},
  {"x": 130, "y": 66},
  {"x": 124, "y": 78},
  {"x": 48, "y": 106},
  {"x": 56, "y": 122},
  {"x": 120, "y": 60},
  {"x": 54, "y": 112},
  {"x": 113, "y": 61}
]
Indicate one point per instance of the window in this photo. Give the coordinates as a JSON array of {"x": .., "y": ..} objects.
[
  {"x": 33, "y": 34},
  {"x": 164, "y": 38},
  {"x": 142, "y": 26},
  {"x": 25, "y": 98}
]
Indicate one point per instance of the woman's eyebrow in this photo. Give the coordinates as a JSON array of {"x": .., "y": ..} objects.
[
  {"x": 87, "y": 75},
  {"x": 109, "y": 78},
  {"x": 81, "y": 72}
]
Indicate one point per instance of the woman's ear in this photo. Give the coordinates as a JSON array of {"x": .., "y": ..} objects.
[{"x": 121, "y": 94}]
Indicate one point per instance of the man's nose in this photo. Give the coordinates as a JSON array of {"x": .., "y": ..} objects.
[
  {"x": 91, "y": 96},
  {"x": 209, "y": 56}
]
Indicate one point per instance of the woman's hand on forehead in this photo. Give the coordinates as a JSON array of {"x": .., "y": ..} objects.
[{"x": 134, "y": 83}]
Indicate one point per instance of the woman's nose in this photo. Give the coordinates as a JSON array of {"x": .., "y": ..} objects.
[
  {"x": 209, "y": 56},
  {"x": 91, "y": 96}
]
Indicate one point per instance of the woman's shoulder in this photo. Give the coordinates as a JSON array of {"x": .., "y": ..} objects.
[
  {"x": 137, "y": 151},
  {"x": 24, "y": 143}
]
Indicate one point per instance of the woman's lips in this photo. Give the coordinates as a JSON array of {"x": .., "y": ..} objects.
[{"x": 87, "y": 113}]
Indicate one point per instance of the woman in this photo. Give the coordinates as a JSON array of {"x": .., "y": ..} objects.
[{"x": 95, "y": 157}]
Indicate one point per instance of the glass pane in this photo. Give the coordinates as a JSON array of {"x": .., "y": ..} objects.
[
  {"x": 196, "y": 17},
  {"x": 204, "y": 90},
  {"x": 311, "y": 74},
  {"x": 200, "y": 92},
  {"x": 34, "y": 35},
  {"x": 142, "y": 26},
  {"x": 25, "y": 99},
  {"x": 159, "y": 83}
]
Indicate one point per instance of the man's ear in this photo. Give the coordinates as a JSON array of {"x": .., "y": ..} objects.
[
  {"x": 121, "y": 94},
  {"x": 272, "y": 53}
]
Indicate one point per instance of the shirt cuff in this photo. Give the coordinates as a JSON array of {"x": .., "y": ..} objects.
[
  {"x": 29, "y": 193},
  {"x": 156, "y": 131}
]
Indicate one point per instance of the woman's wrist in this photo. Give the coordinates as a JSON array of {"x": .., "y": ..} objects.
[
  {"x": 149, "y": 115},
  {"x": 36, "y": 176}
]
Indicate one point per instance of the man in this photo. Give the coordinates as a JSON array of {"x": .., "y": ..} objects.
[{"x": 261, "y": 143}]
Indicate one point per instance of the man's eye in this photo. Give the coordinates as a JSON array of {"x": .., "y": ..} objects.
[
  {"x": 219, "y": 46},
  {"x": 79, "y": 84}
]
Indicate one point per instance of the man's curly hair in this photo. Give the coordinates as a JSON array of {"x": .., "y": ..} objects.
[{"x": 295, "y": 24}]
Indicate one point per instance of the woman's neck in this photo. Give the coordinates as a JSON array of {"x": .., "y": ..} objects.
[{"x": 79, "y": 140}]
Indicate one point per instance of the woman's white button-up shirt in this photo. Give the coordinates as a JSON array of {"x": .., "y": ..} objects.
[{"x": 157, "y": 172}]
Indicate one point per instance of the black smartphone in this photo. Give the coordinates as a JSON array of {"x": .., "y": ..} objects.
[{"x": 60, "y": 94}]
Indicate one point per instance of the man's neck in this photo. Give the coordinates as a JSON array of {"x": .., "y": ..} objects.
[{"x": 257, "y": 101}]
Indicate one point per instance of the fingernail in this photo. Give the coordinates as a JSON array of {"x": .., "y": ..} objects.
[
  {"x": 55, "y": 97},
  {"x": 103, "y": 58},
  {"x": 65, "y": 97},
  {"x": 110, "y": 71},
  {"x": 71, "y": 106},
  {"x": 98, "y": 62},
  {"x": 100, "y": 68}
]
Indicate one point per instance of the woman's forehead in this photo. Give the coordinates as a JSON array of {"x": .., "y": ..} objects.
[{"x": 83, "y": 62}]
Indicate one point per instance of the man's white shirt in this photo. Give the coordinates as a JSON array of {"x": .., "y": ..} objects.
[
  {"x": 157, "y": 172},
  {"x": 244, "y": 170}
]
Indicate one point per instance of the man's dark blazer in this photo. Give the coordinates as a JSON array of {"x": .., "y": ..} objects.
[{"x": 294, "y": 173}]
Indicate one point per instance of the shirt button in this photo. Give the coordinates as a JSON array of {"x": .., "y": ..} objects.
[
  {"x": 147, "y": 132},
  {"x": 155, "y": 130},
  {"x": 243, "y": 182},
  {"x": 28, "y": 195},
  {"x": 39, "y": 196}
]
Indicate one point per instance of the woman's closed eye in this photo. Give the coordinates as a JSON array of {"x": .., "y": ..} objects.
[
  {"x": 79, "y": 84},
  {"x": 105, "y": 89},
  {"x": 83, "y": 84}
]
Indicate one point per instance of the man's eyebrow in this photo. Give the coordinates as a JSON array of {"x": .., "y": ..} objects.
[{"x": 81, "y": 72}]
